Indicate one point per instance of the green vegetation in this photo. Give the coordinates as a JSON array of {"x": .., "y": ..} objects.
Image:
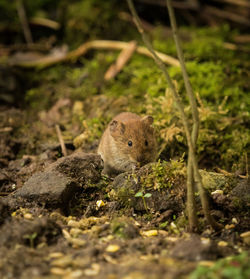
[
  {"x": 235, "y": 267},
  {"x": 162, "y": 175}
]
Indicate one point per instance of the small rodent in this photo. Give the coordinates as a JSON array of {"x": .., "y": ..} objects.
[{"x": 127, "y": 142}]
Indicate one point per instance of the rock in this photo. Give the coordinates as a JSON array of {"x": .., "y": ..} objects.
[
  {"x": 196, "y": 249},
  {"x": 50, "y": 188},
  {"x": 83, "y": 168},
  {"x": 242, "y": 191},
  {"x": 4, "y": 211},
  {"x": 168, "y": 195},
  {"x": 216, "y": 181},
  {"x": 57, "y": 184},
  {"x": 29, "y": 232}
]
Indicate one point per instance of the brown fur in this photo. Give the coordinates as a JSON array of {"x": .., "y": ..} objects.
[{"x": 114, "y": 149}]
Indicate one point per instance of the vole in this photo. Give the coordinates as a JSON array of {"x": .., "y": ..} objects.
[{"x": 127, "y": 142}]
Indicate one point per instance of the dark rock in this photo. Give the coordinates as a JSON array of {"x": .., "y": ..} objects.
[
  {"x": 50, "y": 188},
  {"x": 4, "y": 211},
  {"x": 126, "y": 185},
  {"x": 29, "y": 232},
  {"x": 83, "y": 168},
  {"x": 56, "y": 185},
  {"x": 242, "y": 191}
]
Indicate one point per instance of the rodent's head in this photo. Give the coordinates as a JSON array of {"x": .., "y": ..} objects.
[{"x": 135, "y": 140}]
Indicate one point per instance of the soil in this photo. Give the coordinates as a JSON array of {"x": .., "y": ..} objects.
[{"x": 60, "y": 218}]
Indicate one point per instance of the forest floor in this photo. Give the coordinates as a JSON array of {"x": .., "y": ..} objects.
[{"x": 59, "y": 216}]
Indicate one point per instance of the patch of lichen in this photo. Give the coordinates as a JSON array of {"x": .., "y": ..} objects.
[
  {"x": 123, "y": 194},
  {"x": 217, "y": 181}
]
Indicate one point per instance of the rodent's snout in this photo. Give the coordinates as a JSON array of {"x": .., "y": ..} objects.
[{"x": 140, "y": 158}]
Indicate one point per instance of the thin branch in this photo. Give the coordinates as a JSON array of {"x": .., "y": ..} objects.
[
  {"x": 45, "y": 22},
  {"x": 242, "y": 3},
  {"x": 188, "y": 4},
  {"x": 227, "y": 15},
  {"x": 195, "y": 115},
  {"x": 121, "y": 61},
  {"x": 189, "y": 90},
  {"x": 180, "y": 107},
  {"x": 24, "y": 22},
  {"x": 50, "y": 60},
  {"x": 59, "y": 135}
]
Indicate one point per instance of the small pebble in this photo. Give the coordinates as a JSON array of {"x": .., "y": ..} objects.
[
  {"x": 28, "y": 216},
  {"x": 222, "y": 243},
  {"x": 149, "y": 233},
  {"x": 100, "y": 203},
  {"x": 246, "y": 237},
  {"x": 57, "y": 271},
  {"x": 93, "y": 271},
  {"x": 56, "y": 255},
  {"x": 73, "y": 224},
  {"x": 112, "y": 248},
  {"x": 62, "y": 262},
  {"x": 234, "y": 221},
  {"x": 220, "y": 192},
  {"x": 230, "y": 226}
]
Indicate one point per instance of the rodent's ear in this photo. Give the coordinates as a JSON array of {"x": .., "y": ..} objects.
[
  {"x": 148, "y": 119},
  {"x": 116, "y": 126},
  {"x": 113, "y": 125}
]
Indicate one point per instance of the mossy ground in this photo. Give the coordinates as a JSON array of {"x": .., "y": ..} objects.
[{"x": 218, "y": 77}]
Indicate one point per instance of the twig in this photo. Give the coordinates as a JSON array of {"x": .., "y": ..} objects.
[
  {"x": 241, "y": 3},
  {"x": 188, "y": 4},
  {"x": 195, "y": 115},
  {"x": 180, "y": 107},
  {"x": 24, "y": 22},
  {"x": 59, "y": 135},
  {"x": 45, "y": 22},
  {"x": 235, "y": 47},
  {"x": 242, "y": 39},
  {"x": 121, "y": 61},
  {"x": 247, "y": 167},
  {"x": 4, "y": 193},
  {"x": 6, "y": 129},
  {"x": 227, "y": 15},
  {"x": 84, "y": 48}
]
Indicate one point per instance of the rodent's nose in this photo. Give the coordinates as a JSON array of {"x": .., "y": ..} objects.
[{"x": 140, "y": 158}]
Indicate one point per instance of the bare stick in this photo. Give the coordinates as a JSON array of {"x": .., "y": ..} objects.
[
  {"x": 59, "y": 135},
  {"x": 24, "y": 22},
  {"x": 227, "y": 15},
  {"x": 242, "y": 3},
  {"x": 45, "y": 22},
  {"x": 195, "y": 130},
  {"x": 180, "y": 107},
  {"x": 49, "y": 60},
  {"x": 121, "y": 61}
]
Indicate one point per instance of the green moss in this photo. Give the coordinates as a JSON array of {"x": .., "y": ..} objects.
[
  {"x": 217, "y": 181},
  {"x": 234, "y": 267},
  {"x": 162, "y": 175},
  {"x": 124, "y": 227}
]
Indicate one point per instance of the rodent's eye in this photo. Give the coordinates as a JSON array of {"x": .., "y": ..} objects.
[
  {"x": 130, "y": 143},
  {"x": 146, "y": 142}
]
